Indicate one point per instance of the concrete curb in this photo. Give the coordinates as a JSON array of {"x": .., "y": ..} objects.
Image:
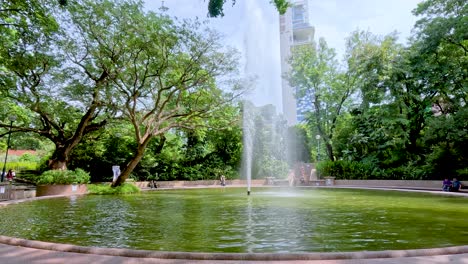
[{"x": 231, "y": 256}]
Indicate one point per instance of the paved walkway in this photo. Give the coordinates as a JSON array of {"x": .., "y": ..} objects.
[
  {"x": 22, "y": 255},
  {"x": 19, "y": 251}
]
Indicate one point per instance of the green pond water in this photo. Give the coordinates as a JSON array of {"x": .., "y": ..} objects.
[{"x": 227, "y": 220}]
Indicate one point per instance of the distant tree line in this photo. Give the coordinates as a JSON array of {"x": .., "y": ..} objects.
[
  {"x": 392, "y": 111},
  {"x": 102, "y": 83}
]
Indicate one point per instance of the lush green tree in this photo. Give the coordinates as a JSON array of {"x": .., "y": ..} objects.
[
  {"x": 319, "y": 80},
  {"x": 439, "y": 54},
  {"x": 371, "y": 58},
  {"x": 179, "y": 155},
  {"x": 19, "y": 21},
  {"x": 24, "y": 19},
  {"x": 216, "y": 7},
  {"x": 167, "y": 76},
  {"x": 433, "y": 69},
  {"x": 209, "y": 154},
  {"x": 447, "y": 137},
  {"x": 299, "y": 145},
  {"x": 63, "y": 79},
  {"x": 377, "y": 127},
  {"x": 409, "y": 124},
  {"x": 440, "y": 51},
  {"x": 265, "y": 141}
]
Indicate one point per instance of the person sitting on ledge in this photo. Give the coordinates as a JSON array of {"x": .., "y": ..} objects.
[
  {"x": 446, "y": 185},
  {"x": 456, "y": 185}
]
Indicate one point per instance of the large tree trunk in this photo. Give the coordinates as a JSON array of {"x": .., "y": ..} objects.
[
  {"x": 132, "y": 164},
  {"x": 64, "y": 145},
  {"x": 416, "y": 119},
  {"x": 55, "y": 164},
  {"x": 60, "y": 157},
  {"x": 329, "y": 148}
]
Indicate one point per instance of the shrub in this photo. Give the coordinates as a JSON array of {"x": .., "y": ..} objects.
[
  {"x": 366, "y": 170},
  {"x": 342, "y": 169},
  {"x": 77, "y": 176},
  {"x": 29, "y": 158},
  {"x": 105, "y": 188}
]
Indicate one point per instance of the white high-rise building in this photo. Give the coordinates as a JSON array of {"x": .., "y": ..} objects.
[{"x": 295, "y": 30}]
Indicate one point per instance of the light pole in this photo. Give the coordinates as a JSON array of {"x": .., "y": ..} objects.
[
  {"x": 317, "y": 137},
  {"x": 12, "y": 119}
]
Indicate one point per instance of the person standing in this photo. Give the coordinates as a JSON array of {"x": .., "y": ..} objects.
[
  {"x": 10, "y": 175},
  {"x": 223, "y": 180}
]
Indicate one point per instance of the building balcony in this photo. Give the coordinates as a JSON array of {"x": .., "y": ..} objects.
[{"x": 302, "y": 26}]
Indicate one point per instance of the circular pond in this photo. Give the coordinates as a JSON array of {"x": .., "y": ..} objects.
[{"x": 227, "y": 220}]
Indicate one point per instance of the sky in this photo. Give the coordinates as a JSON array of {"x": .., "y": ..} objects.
[{"x": 252, "y": 26}]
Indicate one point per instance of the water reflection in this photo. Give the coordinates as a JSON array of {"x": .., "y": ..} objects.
[{"x": 250, "y": 238}]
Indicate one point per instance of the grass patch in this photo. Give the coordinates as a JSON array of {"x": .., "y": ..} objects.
[
  {"x": 22, "y": 165},
  {"x": 105, "y": 188}
]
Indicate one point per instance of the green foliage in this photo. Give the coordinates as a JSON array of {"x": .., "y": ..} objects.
[
  {"x": 322, "y": 84},
  {"x": 299, "y": 145},
  {"x": 29, "y": 158},
  {"x": 106, "y": 189},
  {"x": 22, "y": 165},
  {"x": 368, "y": 170},
  {"x": 89, "y": 70},
  {"x": 274, "y": 168},
  {"x": 68, "y": 101},
  {"x": 216, "y": 7},
  {"x": 411, "y": 123},
  {"x": 200, "y": 156},
  {"x": 266, "y": 133},
  {"x": 77, "y": 176},
  {"x": 281, "y": 5},
  {"x": 378, "y": 133},
  {"x": 447, "y": 138},
  {"x": 350, "y": 170}
]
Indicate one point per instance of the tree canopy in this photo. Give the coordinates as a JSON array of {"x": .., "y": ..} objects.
[
  {"x": 106, "y": 61},
  {"x": 402, "y": 100},
  {"x": 216, "y": 7}
]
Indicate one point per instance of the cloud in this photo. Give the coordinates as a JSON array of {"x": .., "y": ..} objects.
[{"x": 336, "y": 19}]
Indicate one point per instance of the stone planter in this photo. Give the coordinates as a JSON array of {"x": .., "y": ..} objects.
[{"x": 68, "y": 189}]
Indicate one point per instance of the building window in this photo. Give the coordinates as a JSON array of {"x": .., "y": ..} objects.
[{"x": 298, "y": 14}]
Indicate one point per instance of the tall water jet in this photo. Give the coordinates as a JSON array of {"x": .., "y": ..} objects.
[
  {"x": 262, "y": 61},
  {"x": 247, "y": 127}
]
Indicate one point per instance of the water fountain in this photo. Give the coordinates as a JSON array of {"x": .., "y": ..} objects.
[
  {"x": 248, "y": 127},
  {"x": 261, "y": 45}
]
